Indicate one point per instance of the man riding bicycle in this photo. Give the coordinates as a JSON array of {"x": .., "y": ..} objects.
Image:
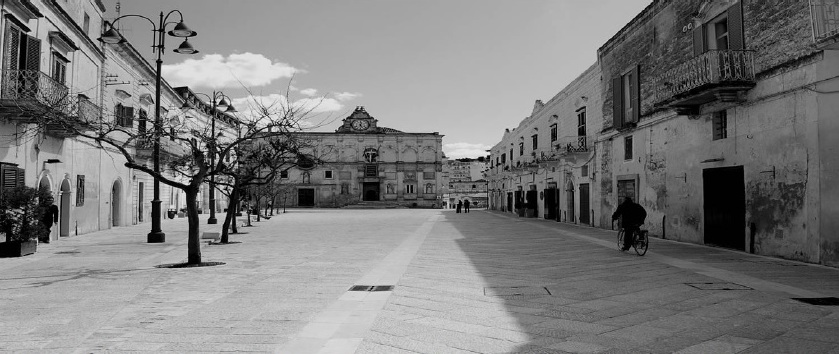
[{"x": 633, "y": 216}]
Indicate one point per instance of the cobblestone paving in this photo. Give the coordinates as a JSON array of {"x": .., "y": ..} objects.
[{"x": 284, "y": 289}]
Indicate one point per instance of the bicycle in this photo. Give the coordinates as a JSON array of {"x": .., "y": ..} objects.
[{"x": 640, "y": 242}]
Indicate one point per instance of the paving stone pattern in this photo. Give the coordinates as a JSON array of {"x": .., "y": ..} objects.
[{"x": 289, "y": 276}]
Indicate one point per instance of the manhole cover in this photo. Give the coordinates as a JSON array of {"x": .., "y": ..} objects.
[
  {"x": 371, "y": 288},
  {"x": 515, "y": 290},
  {"x": 819, "y": 301},
  {"x": 719, "y": 286}
]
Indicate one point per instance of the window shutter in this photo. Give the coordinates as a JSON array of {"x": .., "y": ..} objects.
[
  {"x": 21, "y": 178},
  {"x": 128, "y": 118},
  {"x": 9, "y": 176},
  {"x": 11, "y": 47},
  {"x": 617, "y": 107},
  {"x": 33, "y": 53},
  {"x": 736, "y": 39},
  {"x": 635, "y": 94},
  {"x": 699, "y": 40}
]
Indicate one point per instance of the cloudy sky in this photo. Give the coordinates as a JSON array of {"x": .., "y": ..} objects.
[{"x": 465, "y": 68}]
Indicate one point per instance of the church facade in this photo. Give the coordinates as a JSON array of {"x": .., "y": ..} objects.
[{"x": 364, "y": 162}]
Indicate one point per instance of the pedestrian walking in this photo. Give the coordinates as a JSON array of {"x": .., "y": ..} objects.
[
  {"x": 459, "y": 205},
  {"x": 466, "y": 206}
]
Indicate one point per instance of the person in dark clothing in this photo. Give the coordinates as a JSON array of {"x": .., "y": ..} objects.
[
  {"x": 459, "y": 205},
  {"x": 633, "y": 216},
  {"x": 466, "y": 206}
]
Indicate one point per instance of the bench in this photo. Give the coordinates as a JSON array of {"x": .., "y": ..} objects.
[{"x": 212, "y": 236}]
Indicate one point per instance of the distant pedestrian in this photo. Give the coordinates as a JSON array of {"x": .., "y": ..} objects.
[
  {"x": 459, "y": 205},
  {"x": 466, "y": 206}
]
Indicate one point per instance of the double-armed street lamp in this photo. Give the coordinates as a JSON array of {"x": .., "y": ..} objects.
[
  {"x": 218, "y": 102},
  {"x": 112, "y": 36}
]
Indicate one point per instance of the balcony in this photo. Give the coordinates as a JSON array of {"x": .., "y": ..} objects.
[
  {"x": 27, "y": 94},
  {"x": 825, "y": 17},
  {"x": 168, "y": 149},
  {"x": 81, "y": 115},
  {"x": 714, "y": 75},
  {"x": 572, "y": 145}
]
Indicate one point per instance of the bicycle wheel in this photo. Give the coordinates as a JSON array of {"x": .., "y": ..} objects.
[
  {"x": 620, "y": 240},
  {"x": 642, "y": 242}
]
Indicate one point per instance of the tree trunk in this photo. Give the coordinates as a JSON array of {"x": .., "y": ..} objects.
[
  {"x": 256, "y": 209},
  {"x": 273, "y": 203},
  {"x": 231, "y": 214},
  {"x": 194, "y": 240}
]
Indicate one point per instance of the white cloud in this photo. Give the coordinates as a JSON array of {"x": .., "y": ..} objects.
[
  {"x": 309, "y": 92},
  {"x": 216, "y": 71},
  {"x": 461, "y": 150},
  {"x": 250, "y": 106},
  {"x": 346, "y": 96}
]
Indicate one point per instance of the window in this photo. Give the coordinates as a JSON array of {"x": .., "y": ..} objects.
[
  {"x": 720, "y": 125},
  {"x": 724, "y": 32},
  {"x": 626, "y": 188},
  {"x": 79, "y": 190},
  {"x": 553, "y": 132},
  {"x": 124, "y": 116},
  {"x": 409, "y": 188},
  {"x": 86, "y": 23},
  {"x": 521, "y": 148},
  {"x": 627, "y": 148},
  {"x": 503, "y": 158},
  {"x": 581, "y": 122},
  {"x": 428, "y": 175},
  {"x": 535, "y": 139},
  {"x": 59, "y": 68},
  {"x": 284, "y": 174},
  {"x": 584, "y": 171},
  {"x": 141, "y": 124},
  {"x": 11, "y": 176},
  {"x": 22, "y": 52},
  {"x": 327, "y": 174},
  {"x": 474, "y": 186},
  {"x": 625, "y": 99}
]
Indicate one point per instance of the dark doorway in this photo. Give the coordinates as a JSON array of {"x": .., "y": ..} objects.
[
  {"x": 509, "y": 201},
  {"x": 725, "y": 207},
  {"x": 64, "y": 211},
  {"x": 531, "y": 203},
  {"x": 558, "y": 205},
  {"x": 140, "y": 202},
  {"x": 571, "y": 209},
  {"x": 519, "y": 203},
  {"x": 371, "y": 191},
  {"x": 585, "y": 216},
  {"x": 306, "y": 197},
  {"x": 550, "y": 203}
]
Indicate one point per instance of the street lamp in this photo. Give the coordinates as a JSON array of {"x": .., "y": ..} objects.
[
  {"x": 218, "y": 100},
  {"x": 112, "y": 36}
]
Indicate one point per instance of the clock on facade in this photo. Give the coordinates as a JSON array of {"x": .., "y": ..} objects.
[{"x": 360, "y": 124}]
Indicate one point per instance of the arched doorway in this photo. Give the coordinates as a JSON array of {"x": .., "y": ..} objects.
[
  {"x": 115, "y": 203},
  {"x": 44, "y": 186},
  {"x": 64, "y": 217}
]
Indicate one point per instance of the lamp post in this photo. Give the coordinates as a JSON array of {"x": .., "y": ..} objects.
[
  {"x": 112, "y": 36},
  {"x": 218, "y": 101}
]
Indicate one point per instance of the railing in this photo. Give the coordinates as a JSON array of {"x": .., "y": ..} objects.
[
  {"x": 84, "y": 111},
  {"x": 33, "y": 85},
  {"x": 574, "y": 145},
  {"x": 712, "y": 67},
  {"x": 144, "y": 148},
  {"x": 825, "y": 17}
]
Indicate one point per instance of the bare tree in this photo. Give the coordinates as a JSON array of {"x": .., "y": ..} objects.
[{"x": 186, "y": 144}]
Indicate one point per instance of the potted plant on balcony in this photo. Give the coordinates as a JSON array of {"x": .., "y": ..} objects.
[{"x": 20, "y": 221}]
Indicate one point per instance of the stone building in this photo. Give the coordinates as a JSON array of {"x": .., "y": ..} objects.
[
  {"x": 720, "y": 118},
  {"x": 467, "y": 181},
  {"x": 52, "y": 62},
  {"x": 362, "y": 161},
  {"x": 543, "y": 167}
]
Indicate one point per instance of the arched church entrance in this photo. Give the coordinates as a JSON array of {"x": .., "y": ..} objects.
[
  {"x": 116, "y": 191},
  {"x": 64, "y": 211}
]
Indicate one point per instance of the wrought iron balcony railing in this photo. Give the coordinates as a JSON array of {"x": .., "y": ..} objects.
[
  {"x": 33, "y": 86},
  {"x": 713, "y": 69},
  {"x": 574, "y": 145},
  {"x": 825, "y": 17},
  {"x": 143, "y": 148}
]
